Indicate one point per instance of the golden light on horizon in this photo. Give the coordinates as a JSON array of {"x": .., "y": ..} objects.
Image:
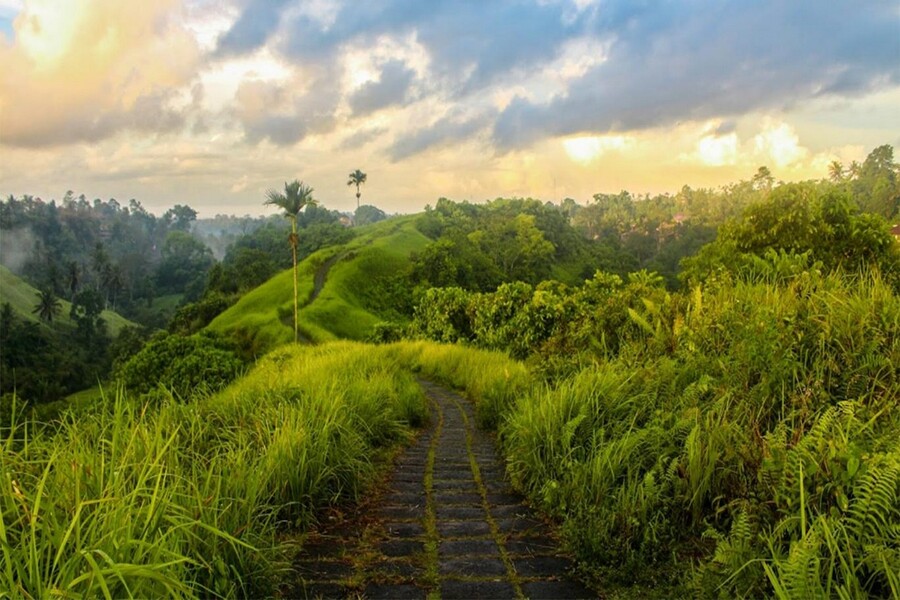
[
  {"x": 582, "y": 149},
  {"x": 717, "y": 151}
]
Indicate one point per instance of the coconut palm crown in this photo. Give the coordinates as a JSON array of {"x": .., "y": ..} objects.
[
  {"x": 48, "y": 305},
  {"x": 357, "y": 178},
  {"x": 295, "y": 198}
]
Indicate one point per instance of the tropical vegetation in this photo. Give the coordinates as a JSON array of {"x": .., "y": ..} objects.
[{"x": 700, "y": 389}]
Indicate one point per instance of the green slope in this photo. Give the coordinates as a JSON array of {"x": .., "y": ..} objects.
[
  {"x": 361, "y": 284},
  {"x": 23, "y": 298}
]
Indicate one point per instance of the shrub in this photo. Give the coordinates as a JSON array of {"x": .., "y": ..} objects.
[{"x": 181, "y": 365}]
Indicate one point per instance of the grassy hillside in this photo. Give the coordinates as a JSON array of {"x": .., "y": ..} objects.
[
  {"x": 360, "y": 284},
  {"x": 23, "y": 298}
]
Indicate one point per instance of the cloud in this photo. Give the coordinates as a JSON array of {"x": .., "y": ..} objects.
[
  {"x": 661, "y": 64},
  {"x": 256, "y": 23},
  {"x": 693, "y": 61},
  {"x": 359, "y": 138},
  {"x": 84, "y": 70},
  {"x": 471, "y": 44},
  {"x": 392, "y": 88},
  {"x": 445, "y": 131},
  {"x": 275, "y": 111},
  {"x": 779, "y": 143}
]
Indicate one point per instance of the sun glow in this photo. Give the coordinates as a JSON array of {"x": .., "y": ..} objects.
[
  {"x": 45, "y": 29},
  {"x": 587, "y": 148},
  {"x": 717, "y": 151}
]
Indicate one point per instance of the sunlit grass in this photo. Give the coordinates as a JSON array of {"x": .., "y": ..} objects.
[
  {"x": 353, "y": 300},
  {"x": 176, "y": 500}
]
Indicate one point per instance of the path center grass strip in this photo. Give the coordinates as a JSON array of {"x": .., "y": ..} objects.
[
  {"x": 482, "y": 491},
  {"x": 431, "y": 533}
]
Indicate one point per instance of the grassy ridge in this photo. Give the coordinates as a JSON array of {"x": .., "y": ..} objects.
[
  {"x": 362, "y": 288},
  {"x": 23, "y": 298},
  {"x": 187, "y": 500}
]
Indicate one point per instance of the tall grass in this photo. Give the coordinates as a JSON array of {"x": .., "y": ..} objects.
[
  {"x": 744, "y": 449},
  {"x": 747, "y": 447},
  {"x": 188, "y": 499},
  {"x": 490, "y": 379}
]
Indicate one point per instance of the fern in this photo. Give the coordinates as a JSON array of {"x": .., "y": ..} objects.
[
  {"x": 801, "y": 575},
  {"x": 874, "y": 508}
]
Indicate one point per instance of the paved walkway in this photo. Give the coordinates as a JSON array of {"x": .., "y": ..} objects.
[{"x": 447, "y": 526}]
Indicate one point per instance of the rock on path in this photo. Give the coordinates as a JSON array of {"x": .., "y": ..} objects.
[{"x": 447, "y": 526}]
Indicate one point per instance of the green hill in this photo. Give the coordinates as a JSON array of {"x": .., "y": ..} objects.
[
  {"x": 345, "y": 291},
  {"x": 23, "y": 298}
]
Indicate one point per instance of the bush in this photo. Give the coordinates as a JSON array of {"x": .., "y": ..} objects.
[
  {"x": 386, "y": 332},
  {"x": 181, "y": 364}
]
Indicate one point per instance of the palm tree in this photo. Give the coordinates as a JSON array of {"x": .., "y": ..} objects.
[
  {"x": 357, "y": 178},
  {"x": 295, "y": 198},
  {"x": 47, "y": 306},
  {"x": 836, "y": 171}
]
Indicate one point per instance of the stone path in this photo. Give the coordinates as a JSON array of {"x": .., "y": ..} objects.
[{"x": 447, "y": 526}]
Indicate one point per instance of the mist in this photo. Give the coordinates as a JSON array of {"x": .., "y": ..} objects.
[{"x": 15, "y": 247}]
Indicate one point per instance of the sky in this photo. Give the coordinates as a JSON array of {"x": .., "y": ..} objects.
[{"x": 212, "y": 102}]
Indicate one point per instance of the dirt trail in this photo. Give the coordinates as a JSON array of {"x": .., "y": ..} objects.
[
  {"x": 321, "y": 275},
  {"x": 447, "y": 526}
]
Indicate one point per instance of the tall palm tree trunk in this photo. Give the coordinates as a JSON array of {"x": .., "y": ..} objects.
[{"x": 296, "y": 295}]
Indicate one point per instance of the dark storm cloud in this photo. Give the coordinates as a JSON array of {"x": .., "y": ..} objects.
[{"x": 392, "y": 88}]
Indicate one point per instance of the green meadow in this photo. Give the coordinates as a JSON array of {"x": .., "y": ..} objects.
[
  {"x": 22, "y": 297},
  {"x": 366, "y": 279}
]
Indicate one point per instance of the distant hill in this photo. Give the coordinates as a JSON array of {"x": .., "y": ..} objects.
[
  {"x": 344, "y": 290},
  {"x": 23, "y": 298}
]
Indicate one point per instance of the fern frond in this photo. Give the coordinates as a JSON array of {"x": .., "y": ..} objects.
[{"x": 874, "y": 507}]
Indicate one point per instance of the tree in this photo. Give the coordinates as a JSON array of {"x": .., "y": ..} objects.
[
  {"x": 185, "y": 261},
  {"x": 357, "y": 178},
  {"x": 295, "y": 198},
  {"x": 877, "y": 188},
  {"x": 72, "y": 278},
  {"x": 836, "y": 171},
  {"x": 181, "y": 217},
  {"x": 763, "y": 180},
  {"x": 366, "y": 214},
  {"x": 47, "y": 306}
]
